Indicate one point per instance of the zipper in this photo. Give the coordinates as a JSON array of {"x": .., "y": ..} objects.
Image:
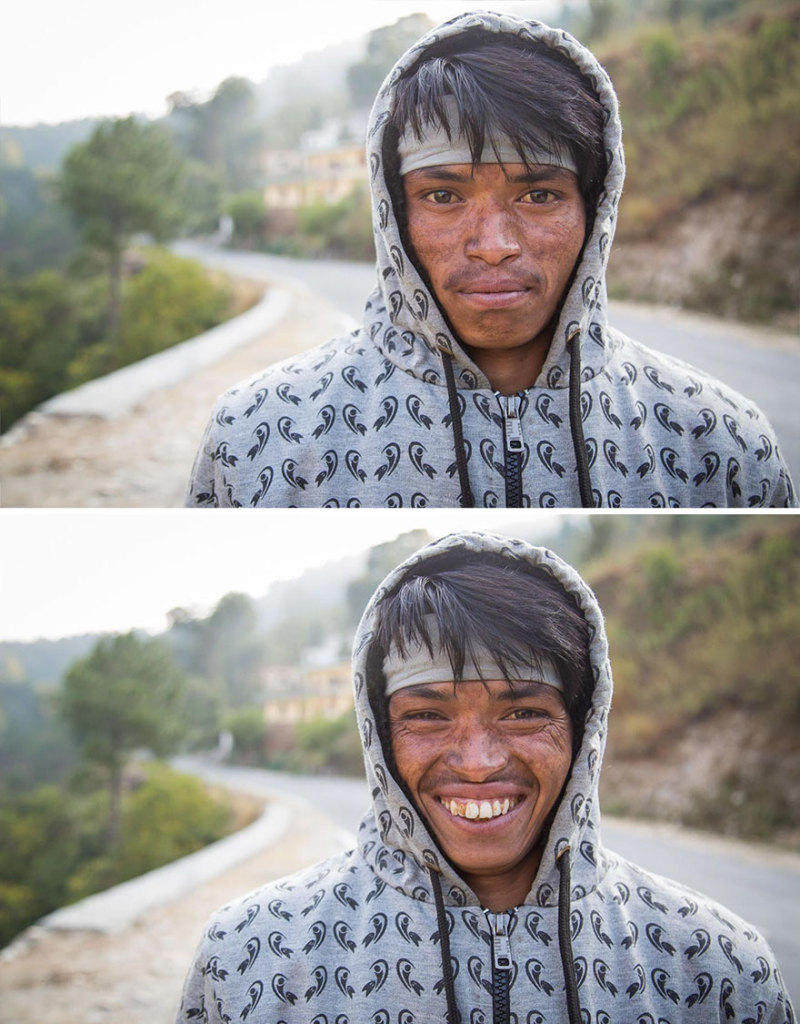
[
  {"x": 514, "y": 447},
  {"x": 500, "y": 926}
]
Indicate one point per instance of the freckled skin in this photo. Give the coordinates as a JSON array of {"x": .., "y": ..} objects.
[
  {"x": 478, "y": 742},
  {"x": 499, "y": 247}
]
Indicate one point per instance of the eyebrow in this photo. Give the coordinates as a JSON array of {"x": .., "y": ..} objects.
[
  {"x": 532, "y": 177},
  {"x": 527, "y": 689}
]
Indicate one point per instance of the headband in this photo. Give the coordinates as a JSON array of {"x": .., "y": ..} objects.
[
  {"x": 419, "y": 667},
  {"x": 435, "y": 149}
]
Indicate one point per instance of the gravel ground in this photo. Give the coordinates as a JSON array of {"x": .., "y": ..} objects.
[
  {"x": 143, "y": 459},
  {"x": 135, "y": 976}
]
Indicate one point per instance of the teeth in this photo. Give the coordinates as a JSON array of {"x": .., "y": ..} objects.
[{"x": 483, "y": 810}]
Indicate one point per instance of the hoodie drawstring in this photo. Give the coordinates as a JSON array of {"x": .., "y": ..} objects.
[
  {"x": 467, "y": 499},
  {"x": 576, "y": 421},
  {"x": 564, "y": 942},
  {"x": 444, "y": 948},
  {"x": 565, "y": 938}
]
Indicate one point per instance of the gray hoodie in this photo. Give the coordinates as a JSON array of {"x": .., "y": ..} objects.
[
  {"x": 371, "y": 419},
  {"x": 391, "y": 933}
]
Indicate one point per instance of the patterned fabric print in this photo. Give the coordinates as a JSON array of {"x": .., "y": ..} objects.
[
  {"x": 365, "y": 419},
  {"x": 343, "y": 427},
  {"x": 355, "y": 940}
]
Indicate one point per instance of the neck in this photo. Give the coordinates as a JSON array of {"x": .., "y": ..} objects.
[
  {"x": 499, "y": 893},
  {"x": 515, "y": 369}
]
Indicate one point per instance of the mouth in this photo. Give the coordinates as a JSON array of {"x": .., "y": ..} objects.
[
  {"x": 479, "y": 810},
  {"x": 492, "y": 296}
]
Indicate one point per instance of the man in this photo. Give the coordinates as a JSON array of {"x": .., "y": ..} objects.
[
  {"x": 480, "y": 889},
  {"x": 485, "y": 372}
]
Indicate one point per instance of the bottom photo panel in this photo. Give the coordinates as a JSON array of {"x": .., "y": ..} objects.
[{"x": 399, "y": 767}]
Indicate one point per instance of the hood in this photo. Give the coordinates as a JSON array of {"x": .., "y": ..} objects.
[
  {"x": 402, "y": 315},
  {"x": 395, "y": 841}
]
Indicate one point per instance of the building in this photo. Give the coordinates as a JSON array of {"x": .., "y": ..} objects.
[
  {"x": 329, "y": 165},
  {"x": 321, "y": 689}
]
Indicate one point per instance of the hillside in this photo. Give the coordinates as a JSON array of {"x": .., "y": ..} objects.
[
  {"x": 710, "y": 218},
  {"x": 705, "y": 641}
]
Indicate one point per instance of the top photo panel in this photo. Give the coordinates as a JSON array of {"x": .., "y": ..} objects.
[{"x": 540, "y": 257}]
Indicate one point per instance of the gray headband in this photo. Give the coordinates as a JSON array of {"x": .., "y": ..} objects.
[
  {"x": 419, "y": 667},
  {"x": 435, "y": 149}
]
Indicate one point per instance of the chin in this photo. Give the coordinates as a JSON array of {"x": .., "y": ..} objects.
[{"x": 493, "y": 340}]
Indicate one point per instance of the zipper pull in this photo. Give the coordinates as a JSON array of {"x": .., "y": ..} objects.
[
  {"x": 509, "y": 404},
  {"x": 501, "y": 943}
]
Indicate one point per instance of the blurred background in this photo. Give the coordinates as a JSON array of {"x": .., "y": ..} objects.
[{"x": 242, "y": 129}]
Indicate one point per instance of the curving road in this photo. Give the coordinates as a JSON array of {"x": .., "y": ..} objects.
[
  {"x": 763, "y": 365},
  {"x": 758, "y": 883}
]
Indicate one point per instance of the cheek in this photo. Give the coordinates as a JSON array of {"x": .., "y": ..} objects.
[
  {"x": 410, "y": 754},
  {"x": 558, "y": 244},
  {"x": 431, "y": 241},
  {"x": 549, "y": 755}
]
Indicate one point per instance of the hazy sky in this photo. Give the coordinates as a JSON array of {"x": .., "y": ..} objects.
[
  {"x": 72, "y": 572},
  {"x": 64, "y": 60}
]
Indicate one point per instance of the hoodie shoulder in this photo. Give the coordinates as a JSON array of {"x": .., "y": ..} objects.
[
  {"x": 692, "y": 949},
  {"x": 708, "y": 424},
  {"x": 261, "y": 947},
  {"x": 262, "y": 432}
]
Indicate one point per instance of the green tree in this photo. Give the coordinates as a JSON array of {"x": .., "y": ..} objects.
[
  {"x": 381, "y": 559},
  {"x": 123, "y": 697},
  {"x": 166, "y": 815},
  {"x": 123, "y": 181},
  {"x": 223, "y": 133},
  {"x": 249, "y": 217},
  {"x": 249, "y": 730},
  {"x": 233, "y": 648},
  {"x": 35, "y": 229},
  {"x": 226, "y": 648},
  {"x": 384, "y": 46}
]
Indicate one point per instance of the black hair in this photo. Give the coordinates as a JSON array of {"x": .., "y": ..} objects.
[
  {"x": 516, "y": 611},
  {"x": 525, "y": 91}
]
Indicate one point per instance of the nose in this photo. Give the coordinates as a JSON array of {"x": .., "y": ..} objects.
[
  {"x": 493, "y": 236},
  {"x": 476, "y": 754}
]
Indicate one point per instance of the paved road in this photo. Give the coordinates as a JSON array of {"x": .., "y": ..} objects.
[
  {"x": 759, "y": 884},
  {"x": 760, "y": 363}
]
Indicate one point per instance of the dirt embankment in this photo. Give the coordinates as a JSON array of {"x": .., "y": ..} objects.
[
  {"x": 143, "y": 459},
  {"x": 727, "y": 256},
  {"x": 135, "y": 976}
]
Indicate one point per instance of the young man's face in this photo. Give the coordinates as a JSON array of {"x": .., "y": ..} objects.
[
  {"x": 499, "y": 244},
  {"x": 485, "y": 766}
]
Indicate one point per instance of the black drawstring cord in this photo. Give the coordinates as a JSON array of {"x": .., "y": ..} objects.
[
  {"x": 467, "y": 499},
  {"x": 453, "y": 1016},
  {"x": 576, "y": 421},
  {"x": 565, "y": 937}
]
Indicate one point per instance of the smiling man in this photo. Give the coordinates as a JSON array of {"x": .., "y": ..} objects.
[
  {"x": 485, "y": 372},
  {"x": 480, "y": 889}
]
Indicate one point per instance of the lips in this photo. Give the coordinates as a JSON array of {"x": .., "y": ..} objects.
[
  {"x": 493, "y": 294},
  {"x": 494, "y": 286}
]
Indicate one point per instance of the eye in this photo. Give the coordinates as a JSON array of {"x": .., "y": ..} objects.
[
  {"x": 526, "y": 714},
  {"x": 441, "y": 196},
  {"x": 539, "y": 197},
  {"x": 422, "y": 716}
]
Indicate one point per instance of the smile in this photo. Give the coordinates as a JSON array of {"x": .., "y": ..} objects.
[{"x": 479, "y": 809}]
